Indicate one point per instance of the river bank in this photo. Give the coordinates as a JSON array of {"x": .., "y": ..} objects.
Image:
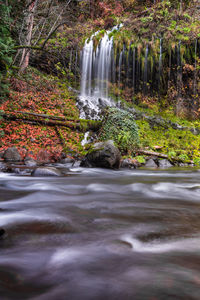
[{"x": 38, "y": 104}]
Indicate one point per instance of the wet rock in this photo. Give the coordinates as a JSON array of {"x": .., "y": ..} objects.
[
  {"x": 151, "y": 164},
  {"x": 3, "y": 167},
  {"x": 103, "y": 155},
  {"x": 30, "y": 162},
  {"x": 12, "y": 155},
  {"x": 128, "y": 163},
  {"x": 18, "y": 170},
  {"x": 46, "y": 171},
  {"x": 76, "y": 164},
  {"x": 165, "y": 163},
  {"x": 183, "y": 165},
  {"x": 101, "y": 103},
  {"x": 67, "y": 160},
  {"x": 191, "y": 165}
]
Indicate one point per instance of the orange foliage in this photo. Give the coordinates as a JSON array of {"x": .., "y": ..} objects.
[{"x": 37, "y": 138}]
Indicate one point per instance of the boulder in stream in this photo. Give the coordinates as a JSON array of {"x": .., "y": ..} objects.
[
  {"x": 164, "y": 164},
  {"x": 151, "y": 164},
  {"x": 102, "y": 155},
  {"x": 12, "y": 155},
  {"x": 46, "y": 171},
  {"x": 30, "y": 162}
]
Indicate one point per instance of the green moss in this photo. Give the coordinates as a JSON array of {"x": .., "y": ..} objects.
[{"x": 177, "y": 144}]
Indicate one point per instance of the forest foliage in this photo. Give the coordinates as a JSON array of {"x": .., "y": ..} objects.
[{"x": 49, "y": 35}]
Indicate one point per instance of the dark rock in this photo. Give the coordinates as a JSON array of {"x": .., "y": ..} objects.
[
  {"x": 2, "y": 232},
  {"x": 12, "y": 155},
  {"x": 46, "y": 171},
  {"x": 165, "y": 163},
  {"x": 67, "y": 160},
  {"x": 3, "y": 166},
  {"x": 103, "y": 155},
  {"x": 30, "y": 162},
  {"x": 151, "y": 164},
  {"x": 100, "y": 102}
]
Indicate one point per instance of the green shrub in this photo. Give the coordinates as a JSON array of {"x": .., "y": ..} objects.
[
  {"x": 119, "y": 125},
  {"x": 141, "y": 159}
]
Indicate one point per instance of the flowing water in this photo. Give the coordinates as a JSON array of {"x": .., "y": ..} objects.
[
  {"x": 99, "y": 234},
  {"x": 97, "y": 65}
]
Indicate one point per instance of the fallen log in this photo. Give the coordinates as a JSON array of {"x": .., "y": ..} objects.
[
  {"x": 152, "y": 153},
  {"x": 161, "y": 155},
  {"x": 80, "y": 125},
  {"x": 43, "y": 116}
]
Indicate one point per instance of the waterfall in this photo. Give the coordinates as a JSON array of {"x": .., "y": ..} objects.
[
  {"x": 134, "y": 70},
  {"x": 87, "y": 57},
  {"x": 96, "y": 75},
  {"x": 195, "y": 69},
  {"x": 120, "y": 68},
  {"x": 160, "y": 66},
  {"x": 145, "y": 76}
]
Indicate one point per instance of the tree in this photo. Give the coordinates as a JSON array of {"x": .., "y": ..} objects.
[
  {"x": 40, "y": 20},
  {"x": 6, "y": 46}
]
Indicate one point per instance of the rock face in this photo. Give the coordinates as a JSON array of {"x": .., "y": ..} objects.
[
  {"x": 12, "y": 155},
  {"x": 103, "y": 155},
  {"x": 46, "y": 171}
]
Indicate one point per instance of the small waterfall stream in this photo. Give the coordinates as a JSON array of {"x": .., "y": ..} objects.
[{"x": 97, "y": 66}]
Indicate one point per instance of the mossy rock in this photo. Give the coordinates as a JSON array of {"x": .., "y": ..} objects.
[{"x": 119, "y": 125}]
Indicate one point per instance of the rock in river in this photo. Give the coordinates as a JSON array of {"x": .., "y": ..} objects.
[
  {"x": 12, "y": 155},
  {"x": 103, "y": 155},
  {"x": 151, "y": 164},
  {"x": 46, "y": 171},
  {"x": 165, "y": 163},
  {"x": 30, "y": 162}
]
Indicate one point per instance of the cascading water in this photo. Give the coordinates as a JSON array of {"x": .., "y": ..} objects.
[
  {"x": 151, "y": 69},
  {"x": 145, "y": 79},
  {"x": 134, "y": 70},
  {"x": 160, "y": 65},
  {"x": 96, "y": 75}
]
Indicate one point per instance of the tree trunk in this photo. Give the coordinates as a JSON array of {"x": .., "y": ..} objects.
[{"x": 29, "y": 19}]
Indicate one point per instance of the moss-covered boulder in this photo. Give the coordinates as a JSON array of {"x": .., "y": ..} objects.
[
  {"x": 102, "y": 155},
  {"x": 119, "y": 125}
]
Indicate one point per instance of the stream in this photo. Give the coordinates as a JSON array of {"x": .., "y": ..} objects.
[{"x": 101, "y": 234}]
